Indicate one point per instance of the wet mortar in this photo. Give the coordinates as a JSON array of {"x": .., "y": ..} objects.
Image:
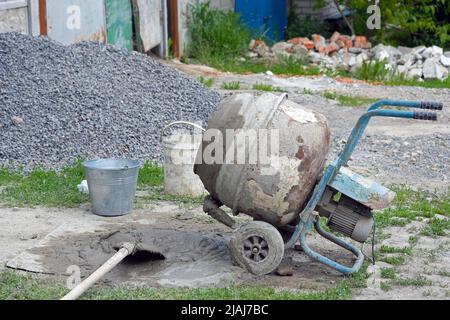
[{"x": 164, "y": 255}]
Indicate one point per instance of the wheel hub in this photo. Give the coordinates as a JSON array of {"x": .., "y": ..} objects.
[{"x": 256, "y": 248}]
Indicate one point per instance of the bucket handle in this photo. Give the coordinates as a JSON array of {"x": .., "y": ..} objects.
[{"x": 179, "y": 122}]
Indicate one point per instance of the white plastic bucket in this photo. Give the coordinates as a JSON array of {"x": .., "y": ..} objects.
[{"x": 180, "y": 152}]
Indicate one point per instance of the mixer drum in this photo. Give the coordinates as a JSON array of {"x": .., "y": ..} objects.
[{"x": 277, "y": 190}]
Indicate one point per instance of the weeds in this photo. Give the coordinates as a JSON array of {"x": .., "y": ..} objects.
[
  {"x": 348, "y": 100},
  {"x": 419, "y": 281},
  {"x": 388, "y": 273},
  {"x": 266, "y": 87},
  {"x": 206, "y": 82},
  {"x": 233, "y": 85},
  {"x": 436, "y": 227},
  {"x": 388, "y": 249},
  {"x": 215, "y": 34},
  {"x": 394, "y": 260}
]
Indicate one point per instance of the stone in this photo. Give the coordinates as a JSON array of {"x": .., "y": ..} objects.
[
  {"x": 252, "y": 55},
  {"x": 332, "y": 47},
  {"x": 419, "y": 50},
  {"x": 447, "y": 54},
  {"x": 432, "y": 69},
  {"x": 347, "y": 41},
  {"x": 405, "y": 50},
  {"x": 335, "y": 36},
  {"x": 361, "y": 42},
  {"x": 433, "y": 51},
  {"x": 261, "y": 48},
  {"x": 284, "y": 271},
  {"x": 300, "y": 50},
  {"x": 445, "y": 61},
  {"x": 407, "y": 59},
  {"x": 319, "y": 41},
  {"x": 282, "y": 48},
  {"x": 355, "y": 50},
  {"x": 414, "y": 73},
  {"x": 17, "y": 120}
]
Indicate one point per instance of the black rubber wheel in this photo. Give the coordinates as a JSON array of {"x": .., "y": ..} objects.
[{"x": 258, "y": 247}]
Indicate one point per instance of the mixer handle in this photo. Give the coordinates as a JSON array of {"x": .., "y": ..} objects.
[
  {"x": 180, "y": 122},
  {"x": 431, "y": 105},
  {"x": 420, "y": 115}
]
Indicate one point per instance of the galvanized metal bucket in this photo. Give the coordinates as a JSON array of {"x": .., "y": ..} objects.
[
  {"x": 112, "y": 185},
  {"x": 180, "y": 152}
]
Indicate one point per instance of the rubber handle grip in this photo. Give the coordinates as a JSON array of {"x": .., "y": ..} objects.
[
  {"x": 432, "y": 116},
  {"x": 430, "y": 105}
]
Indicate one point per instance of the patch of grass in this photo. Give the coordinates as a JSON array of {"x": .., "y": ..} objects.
[
  {"x": 206, "y": 82},
  {"x": 233, "y": 85},
  {"x": 46, "y": 187},
  {"x": 348, "y": 101},
  {"x": 385, "y": 286},
  {"x": 215, "y": 34},
  {"x": 266, "y": 87},
  {"x": 15, "y": 286},
  {"x": 308, "y": 91},
  {"x": 388, "y": 249},
  {"x": 394, "y": 260},
  {"x": 413, "y": 240},
  {"x": 378, "y": 71},
  {"x": 388, "y": 273},
  {"x": 151, "y": 174},
  {"x": 52, "y": 188},
  {"x": 419, "y": 281},
  {"x": 157, "y": 194},
  {"x": 436, "y": 227},
  {"x": 410, "y": 204}
]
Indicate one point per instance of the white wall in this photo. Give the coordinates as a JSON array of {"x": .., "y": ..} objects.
[{"x": 13, "y": 19}]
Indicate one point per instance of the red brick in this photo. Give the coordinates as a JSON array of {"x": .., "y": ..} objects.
[
  {"x": 298, "y": 40},
  {"x": 308, "y": 44},
  {"x": 335, "y": 36}
]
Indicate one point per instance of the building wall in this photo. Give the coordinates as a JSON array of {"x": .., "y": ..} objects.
[
  {"x": 13, "y": 19},
  {"x": 305, "y": 8}
]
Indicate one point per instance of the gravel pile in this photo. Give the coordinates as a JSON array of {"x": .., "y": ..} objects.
[{"x": 59, "y": 103}]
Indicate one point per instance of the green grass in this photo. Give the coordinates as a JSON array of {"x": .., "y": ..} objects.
[
  {"x": 388, "y": 249},
  {"x": 233, "y": 85},
  {"x": 52, "y": 188},
  {"x": 394, "y": 260},
  {"x": 419, "y": 281},
  {"x": 410, "y": 204},
  {"x": 19, "y": 287},
  {"x": 150, "y": 174},
  {"x": 388, "y": 273},
  {"x": 289, "y": 66},
  {"x": 206, "y": 82},
  {"x": 436, "y": 227},
  {"x": 266, "y": 87},
  {"x": 348, "y": 101}
]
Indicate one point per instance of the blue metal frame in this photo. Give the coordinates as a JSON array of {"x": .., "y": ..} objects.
[{"x": 307, "y": 219}]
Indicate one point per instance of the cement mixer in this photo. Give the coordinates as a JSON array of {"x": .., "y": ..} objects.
[{"x": 265, "y": 156}]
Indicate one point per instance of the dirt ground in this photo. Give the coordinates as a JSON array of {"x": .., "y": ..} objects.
[{"x": 416, "y": 153}]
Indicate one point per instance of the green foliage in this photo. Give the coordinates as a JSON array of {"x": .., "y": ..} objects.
[
  {"x": 388, "y": 273},
  {"x": 40, "y": 186},
  {"x": 407, "y": 22},
  {"x": 373, "y": 71},
  {"x": 348, "y": 101},
  {"x": 233, "y": 85},
  {"x": 266, "y": 87},
  {"x": 17, "y": 287},
  {"x": 418, "y": 281},
  {"x": 436, "y": 227},
  {"x": 151, "y": 174},
  {"x": 298, "y": 27},
  {"x": 215, "y": 34},
  {"x": 206, "y": 82}
]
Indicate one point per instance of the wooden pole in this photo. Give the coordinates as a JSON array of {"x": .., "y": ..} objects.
[{"x": 43, "y": 17}]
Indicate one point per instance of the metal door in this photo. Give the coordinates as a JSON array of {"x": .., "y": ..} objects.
[
  {"x": 119, "y": 23},
  {"x": 149, "y": 23},
  {"x": 267, "y": 18}
]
